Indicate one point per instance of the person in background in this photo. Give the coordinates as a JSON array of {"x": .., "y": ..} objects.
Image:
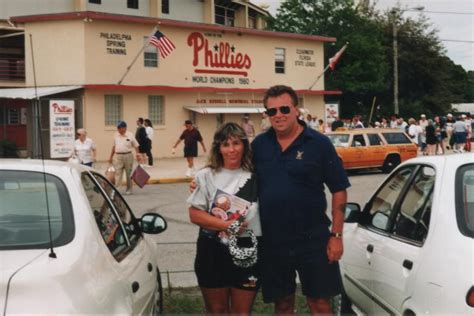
[
  {"x": 293, "y": 163},
  {"x": 337, "y": 123},
  {"x": 311, "y": 122},
  {"x": 440, "y": 132},
  {"x": 124, "y": 144},
  {"x": 227, "y": 288},
  {"x": 140, "y": 136},
  {"x": 459, "y": 134},
  {"x": 356, "y": 123},
  {"x": 149, "y": 134},
  {"x": 264, "y": 123},
  {"x": 248, "y": 127},
  {"x": 191, "y": 137},
  {"x": 468, "y": 121},
  {"x": 384, "y": 123},
  {"x": 413, "y": 130},
  {"x": 321, "y": 126},
  {"x": 422, "y": 136},
  {"x": 431, "y": 138},
  {"x": 84, "y": 148},
  {"x": 449, "y": 130},
  {"x": 393, "y": 121}
]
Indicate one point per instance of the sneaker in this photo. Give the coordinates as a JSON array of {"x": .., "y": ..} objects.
[
  {"x": 188, "y": 172},
  {"x": 128, "y": 193}
]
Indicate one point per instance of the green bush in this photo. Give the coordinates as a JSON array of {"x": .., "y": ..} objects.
[{"x": 8, "y": 149}]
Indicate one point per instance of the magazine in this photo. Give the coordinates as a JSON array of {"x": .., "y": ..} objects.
[{"x": 228, "y": 207}]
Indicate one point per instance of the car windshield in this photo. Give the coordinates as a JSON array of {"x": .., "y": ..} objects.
[
  {"x": 339, "y": 140},
  {"x": 24, "y": 210}
]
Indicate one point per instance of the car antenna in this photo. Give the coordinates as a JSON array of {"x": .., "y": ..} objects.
[{"x": 37, "y": 112}]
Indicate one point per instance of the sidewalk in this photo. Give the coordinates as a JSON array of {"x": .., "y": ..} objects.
[{"x": 164, "y": 170}]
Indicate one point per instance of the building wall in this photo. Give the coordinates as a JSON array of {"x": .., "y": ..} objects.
[
  {"x": 10, "y": 8},
  {"x": 59, "y": 52},
  {"x": 186, "y": 10}
]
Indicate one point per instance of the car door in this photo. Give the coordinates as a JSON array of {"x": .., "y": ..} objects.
[
  {"x": 375, "y": 150},
  {"x": 135, "y": 264},
  {"x": 397, "y": 260},
  {"x": 363, "y": 244},
  {"x": 357, "y": 151}
]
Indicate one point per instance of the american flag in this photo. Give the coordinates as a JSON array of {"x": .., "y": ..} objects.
[{"x": 164, "y": 44}]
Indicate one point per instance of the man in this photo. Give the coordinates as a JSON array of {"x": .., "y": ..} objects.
[
  {"x": 338, "y": 123},
  {"x": 422, "y": 136},
  {"x": 124, "y": 144},
  {"x": 460, "y": 134},
  {"x": 191, "y": 137},
  {"x": 293, "y": 163},
  {"x": 356, "y": 123},
  {"x": 248, "y": 127}
]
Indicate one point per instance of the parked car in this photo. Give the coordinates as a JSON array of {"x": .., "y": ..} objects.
[
  {"x": 70, "y": 244},
  {"x": 372, "y": 147},
  {"x": 410, "y": 251}
]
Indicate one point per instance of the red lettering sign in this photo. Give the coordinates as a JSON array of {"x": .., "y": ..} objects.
[{"x": 221, "y": 56}]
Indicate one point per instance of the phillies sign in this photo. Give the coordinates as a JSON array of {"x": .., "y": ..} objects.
[{"x": 222, "y": 58}]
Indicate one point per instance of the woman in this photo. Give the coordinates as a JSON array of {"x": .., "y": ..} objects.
[
  {"x": 440, "y": 131},
  {"x": 149, "y": 133},
  {"x": 227, "y": 285},
  {"x": 431, "y": 138},
  {"x": 84, "y": 148}
]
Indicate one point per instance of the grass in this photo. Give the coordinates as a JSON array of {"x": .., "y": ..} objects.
[{"x": 181, "y": 301}]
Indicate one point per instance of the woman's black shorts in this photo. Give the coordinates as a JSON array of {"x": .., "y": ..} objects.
[{"x": 215, "y": 269}]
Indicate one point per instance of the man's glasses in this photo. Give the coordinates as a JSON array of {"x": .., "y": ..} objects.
[{"x": 284, "y": 109}]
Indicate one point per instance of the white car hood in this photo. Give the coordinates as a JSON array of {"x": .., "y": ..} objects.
[{"x": 11, "y": 262}]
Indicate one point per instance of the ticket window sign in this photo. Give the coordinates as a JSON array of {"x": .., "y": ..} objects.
[{"x": 61, "y": 122}]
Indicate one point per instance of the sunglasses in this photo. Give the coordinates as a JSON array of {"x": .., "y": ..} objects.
[{"x": 284, "y": 109}]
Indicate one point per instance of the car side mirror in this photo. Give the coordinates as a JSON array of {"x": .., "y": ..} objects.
[
  {"x": 152, "y": 223},
  {"x": 352, "y": 213},
  {"x": 380, "y": 220}
]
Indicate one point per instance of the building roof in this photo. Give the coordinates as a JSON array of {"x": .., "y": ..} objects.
[{"x": 163, "y": 22}]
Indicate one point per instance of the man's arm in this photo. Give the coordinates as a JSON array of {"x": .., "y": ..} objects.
[
  {"x": 335, "y": 247},
  {"x": 202, "y": 144},
  {"x": 112, "y": 154}
]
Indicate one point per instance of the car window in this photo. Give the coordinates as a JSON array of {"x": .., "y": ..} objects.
[
  {"x": 126, "y": 216},
  {"x": 464, "y": 191},
  {"x": 374, "y": 139},
  {"x": 396, "y": 138},
  {"x": 339, "y": 140},
  {"x": 380, "y": 210},
  {"x": 412, "y": 221},
  {"x": 26, "y": 197},
  {"x": 358, "y": 141},
  {"x": 106, "y": 220}
]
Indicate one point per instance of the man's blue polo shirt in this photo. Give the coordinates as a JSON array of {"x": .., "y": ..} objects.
[{"x": 291, "y": 186}]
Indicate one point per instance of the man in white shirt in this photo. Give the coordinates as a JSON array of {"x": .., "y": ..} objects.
[{"x": 124, "y": 144}]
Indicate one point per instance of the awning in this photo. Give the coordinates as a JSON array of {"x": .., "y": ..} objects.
[
  {"x": 29, "y": 93},
  {"x": 225, "y": 109}
]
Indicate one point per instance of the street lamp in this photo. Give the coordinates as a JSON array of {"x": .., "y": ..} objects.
[{"x": 395, "y": 56}]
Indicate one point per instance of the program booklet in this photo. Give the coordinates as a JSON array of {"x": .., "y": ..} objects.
[{"x": 228, "y": 207}]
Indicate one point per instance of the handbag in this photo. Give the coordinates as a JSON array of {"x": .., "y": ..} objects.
[{"x": 140, "y": 176}]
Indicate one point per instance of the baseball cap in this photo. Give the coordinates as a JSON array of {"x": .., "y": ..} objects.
[
  {"x": 121, "y": 124},
  {"x": 450, "y": 115},
  {"x": 422, "y": 115}
]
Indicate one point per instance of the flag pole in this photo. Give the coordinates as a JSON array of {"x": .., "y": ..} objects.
[
  {"x": 319, "y": 77},
  {"x": 136, "y": 57},
  {"x": 372, "y": 109}
]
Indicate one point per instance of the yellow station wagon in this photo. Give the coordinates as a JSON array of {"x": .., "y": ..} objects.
[{"x": 373, "y": 147}]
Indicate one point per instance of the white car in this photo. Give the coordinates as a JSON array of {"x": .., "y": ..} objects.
[
  {"x": 410, "y": 251},
  {"x": 69, "y": 244}
]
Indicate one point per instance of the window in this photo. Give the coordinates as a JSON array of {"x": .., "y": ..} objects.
[
  {"x": 396, "y": 138},
  {"x": 380, "y": 210},
  {"x": 132, "y": 4},
  {"x": 374, "y": 139},
  {"x": 358, "y": 141},
  {"x": 156, "y": 111},
  {"x": 165, "y": 6},
  {"x": 113, "y": 109},
  {"x": 252, "y": 22},
  {"x": 279, "y": 60},
  {"x": 224, "y": 16},
  {"x": 413, "y": 219},
  {"x": 114, "y": 221},
  {"x": 464, "y": 197},
  {"x": 95, "y": 1},
  {"x": 13, "y": 116},
  {"x": 24, "y": 221},
  {"x": 150, "y": 55}
]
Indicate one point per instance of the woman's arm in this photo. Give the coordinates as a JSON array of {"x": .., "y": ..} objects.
[{"x": 207, "y": 221}]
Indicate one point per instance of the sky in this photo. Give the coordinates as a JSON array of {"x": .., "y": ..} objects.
[{"x": 456, "y": 26}]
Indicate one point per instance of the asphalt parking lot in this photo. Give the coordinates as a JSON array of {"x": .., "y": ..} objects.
[{"x": 176, "y": 245}]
